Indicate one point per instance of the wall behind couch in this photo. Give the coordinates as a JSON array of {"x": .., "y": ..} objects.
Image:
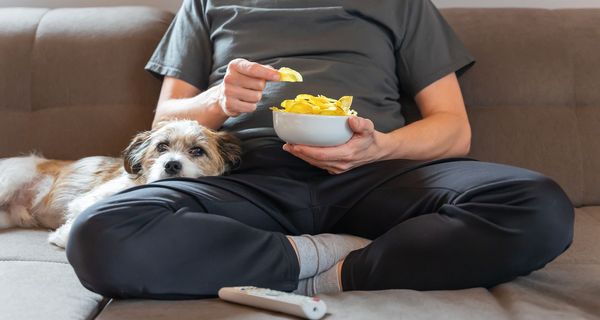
[{"x": 174, "y": 4}]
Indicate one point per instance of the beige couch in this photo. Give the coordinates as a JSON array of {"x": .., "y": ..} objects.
[{"x": 72, "y": 84}]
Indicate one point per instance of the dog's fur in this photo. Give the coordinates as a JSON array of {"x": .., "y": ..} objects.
[{"x": 42, "y": 193}]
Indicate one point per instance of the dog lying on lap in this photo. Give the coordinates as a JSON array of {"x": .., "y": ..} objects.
[{"x": 40, "y": 193}]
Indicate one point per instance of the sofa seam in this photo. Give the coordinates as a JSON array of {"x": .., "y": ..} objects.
[
  {"x": 102, "y": 305},
  {"x": 20, "y": 260},
  {"x": 558, "y": 15},
  {"x": 31, "y": 58}
]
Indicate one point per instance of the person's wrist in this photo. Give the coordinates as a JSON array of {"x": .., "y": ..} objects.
[
  {"x": 213, "y": 98},
  {"x": 384, "y": 146}
]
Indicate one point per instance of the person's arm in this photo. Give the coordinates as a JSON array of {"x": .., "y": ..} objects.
[
  {"x": 443, "y": 132},
  {"x": 239, "y": 92},
  {"x": 181, "y": 100}
]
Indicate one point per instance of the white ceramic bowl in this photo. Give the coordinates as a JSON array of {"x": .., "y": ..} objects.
[{"x": 312, "y": 130}]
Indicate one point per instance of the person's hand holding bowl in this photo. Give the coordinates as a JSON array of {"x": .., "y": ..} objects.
[
  {"x": 327, "y": 133},
  {"x": 363, "y": 147}
]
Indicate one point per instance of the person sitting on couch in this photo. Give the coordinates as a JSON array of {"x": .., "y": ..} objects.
[{"x": 397, "y": 207}]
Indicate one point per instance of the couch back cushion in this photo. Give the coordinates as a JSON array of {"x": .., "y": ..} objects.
[
  {"x": 73, "y": 82},
  {"x": 73, "y": 85},
  {"x": 534, "y": 95}
]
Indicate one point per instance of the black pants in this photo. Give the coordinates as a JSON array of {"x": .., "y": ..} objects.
[{"x": 446, "y": 224}]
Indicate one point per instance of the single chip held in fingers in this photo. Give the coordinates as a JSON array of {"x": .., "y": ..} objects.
[{"x": 289, "y": 75}]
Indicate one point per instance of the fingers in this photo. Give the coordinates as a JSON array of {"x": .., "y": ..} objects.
[
  {"x": 254, "y": 70},
  {"x": 361, "y": 125},
  {"x": 321, "y": 154},
  {"x": 238, "y": 93},
  {"x": 358, "y": 151},
  {"x": 233, "y": 107},
  {"x": 331, "y": 160},
  {"x": 240, "y": 80},
  {"x": 243, "y": 86}
]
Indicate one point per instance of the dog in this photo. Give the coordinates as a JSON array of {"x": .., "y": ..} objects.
[{"x": 40, "y": 193}]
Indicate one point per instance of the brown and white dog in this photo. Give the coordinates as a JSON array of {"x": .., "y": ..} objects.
[{"x": 37, "y": 192}]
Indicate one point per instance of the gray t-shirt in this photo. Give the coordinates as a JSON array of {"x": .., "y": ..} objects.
[{"x": 373, "y": 50}]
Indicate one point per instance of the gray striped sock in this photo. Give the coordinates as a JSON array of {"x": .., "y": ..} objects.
[
  {"x": 318, "y": 253},
  {"x": 325, "y": 282}
]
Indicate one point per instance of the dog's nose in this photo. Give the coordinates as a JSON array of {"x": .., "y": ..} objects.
[{"x": 173, "y": 167}]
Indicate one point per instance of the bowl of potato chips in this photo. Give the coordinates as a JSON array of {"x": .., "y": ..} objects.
[{"x": 314, "y": 120}]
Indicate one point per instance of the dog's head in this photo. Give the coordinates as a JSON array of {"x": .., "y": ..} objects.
[{"x": 180, "y": 148}]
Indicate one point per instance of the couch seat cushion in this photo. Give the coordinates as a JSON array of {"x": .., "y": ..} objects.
[
  {"x": 36, "y": 281},
  {"x": 30, "y": 245}
]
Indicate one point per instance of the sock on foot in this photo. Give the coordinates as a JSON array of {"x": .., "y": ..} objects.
[
  {"x": 325, "y": 282},
  {"x": 317, "y": 253}
]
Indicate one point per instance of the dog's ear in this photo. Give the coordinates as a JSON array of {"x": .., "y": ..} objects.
[
  {"x": 230, "y": 149},
  {"x": 134, "y": 153}
]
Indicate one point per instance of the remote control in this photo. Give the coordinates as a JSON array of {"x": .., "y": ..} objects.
[{"x": 302, "y": 306}]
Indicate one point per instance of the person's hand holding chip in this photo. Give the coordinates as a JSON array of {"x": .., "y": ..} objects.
[
  {"x": 365, "y": 146},
  {"x": 243, "y": 85}
]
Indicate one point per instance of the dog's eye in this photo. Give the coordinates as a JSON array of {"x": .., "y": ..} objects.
[
  {"x": 162, "y": 147},
  {"x": 197, "y": 152}
]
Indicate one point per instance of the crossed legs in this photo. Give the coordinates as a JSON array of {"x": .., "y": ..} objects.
[{"x": 445, "y": 225}]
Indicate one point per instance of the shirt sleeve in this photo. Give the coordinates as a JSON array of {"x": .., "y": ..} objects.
[
  {"x": 429, "y": 49},
  {"x": 185, "y": 51}
]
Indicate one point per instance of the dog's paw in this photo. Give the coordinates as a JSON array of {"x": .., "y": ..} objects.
[
  {"x": 60, "y": 237},
  {"x": 5, "y": 221},
  {"x": 78, "y": 205}
]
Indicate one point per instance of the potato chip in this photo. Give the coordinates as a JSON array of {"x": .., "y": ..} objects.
[
  {"x": 319, "y": 105},
  {"x": 289, "y": 75}
]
